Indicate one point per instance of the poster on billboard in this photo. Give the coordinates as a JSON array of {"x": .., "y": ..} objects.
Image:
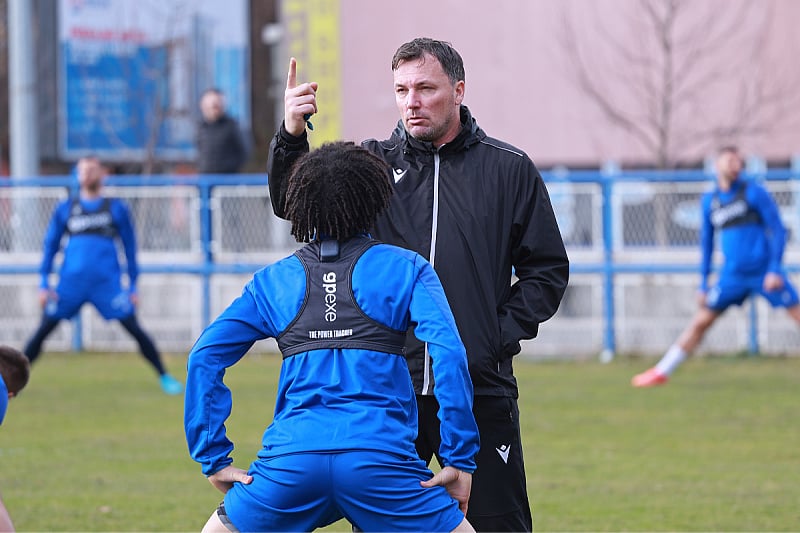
[{"x": 131, "y": 74}]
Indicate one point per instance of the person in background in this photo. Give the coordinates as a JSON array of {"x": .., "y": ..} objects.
[
  {"x": 14, "y": 373},
  {"x": 221, "y": 150},
  {"x": 220, "y": 146},
  {"x": 478, "y": 210},
  {"x": 341, "y": 441},
  {"x": 752, "y": 239},
  {"x": 90, "y": 271}
]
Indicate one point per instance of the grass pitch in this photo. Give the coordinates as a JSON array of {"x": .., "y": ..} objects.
[{"x": 92, "y": 444}]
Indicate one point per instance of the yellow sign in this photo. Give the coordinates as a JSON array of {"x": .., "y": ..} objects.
[{"x": 312, "y": 36}]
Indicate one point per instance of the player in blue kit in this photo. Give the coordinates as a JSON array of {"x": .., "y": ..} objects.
[
  {"x": 14, "y": 373},
  {"x": 90, "y": 270},
  {"x": 752, "y": 238},
  {"x": 341, "y": 442}
]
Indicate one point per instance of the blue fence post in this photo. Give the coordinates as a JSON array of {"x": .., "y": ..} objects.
[
  {"x": 77, "y": 322},
  {"x": 755, "y": 166},
  {"x": 208, "y": 253},
  {"x": 609, "y": 171},
  {"x": 753, "y": 315},
  {"x": 77, "y": 333}
]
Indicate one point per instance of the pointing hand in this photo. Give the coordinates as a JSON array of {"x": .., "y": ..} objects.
[{"x": 299, "y": 102}]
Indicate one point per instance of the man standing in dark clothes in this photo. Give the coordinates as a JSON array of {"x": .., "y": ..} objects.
[
  {"x": 220, "y": 147},
  {"x": 477, "y": 209}
]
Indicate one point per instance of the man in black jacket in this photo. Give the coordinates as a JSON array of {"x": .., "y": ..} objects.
[
  {"x": 220, "y": 147},
  {"x": 478, "y": 210}
]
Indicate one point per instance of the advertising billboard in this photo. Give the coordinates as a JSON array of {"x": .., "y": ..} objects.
[{"x": 130, "y": 74}]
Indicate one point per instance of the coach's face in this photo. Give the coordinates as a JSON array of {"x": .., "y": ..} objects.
[{"x": 427, "y": 100}]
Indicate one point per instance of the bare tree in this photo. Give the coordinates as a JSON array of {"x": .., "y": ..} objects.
[{"x": 680, "y": 76}]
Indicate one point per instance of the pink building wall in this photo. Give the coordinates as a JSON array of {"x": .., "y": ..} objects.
[{"x": 518, "y": 74}]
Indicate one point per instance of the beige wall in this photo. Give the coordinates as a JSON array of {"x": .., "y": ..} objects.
[{"x": 518, "y": 75}]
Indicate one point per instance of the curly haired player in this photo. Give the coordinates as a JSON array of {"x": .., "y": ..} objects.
[
  {"x": 14, "y": 373},
  {"x": 341, "y": 444}
]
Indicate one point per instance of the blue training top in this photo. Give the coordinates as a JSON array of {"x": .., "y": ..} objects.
[
  {"x": 3, "y": 399},
  {"x": 336, "y": 399},
  {"x": 91, "y": 251},
  {"x": 752, "y": 235}
]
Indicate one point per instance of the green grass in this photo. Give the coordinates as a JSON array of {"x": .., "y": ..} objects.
[{"x": 93, "y": 445}]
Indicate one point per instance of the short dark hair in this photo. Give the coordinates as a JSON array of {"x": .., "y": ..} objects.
[
  {"x": 15, "y": 368},
  {"x": 90, "y": 157},
  {"x": 337, "y": 191},
  {"x": 729, "y": 148},
  {"x": 448, "y": 57}
]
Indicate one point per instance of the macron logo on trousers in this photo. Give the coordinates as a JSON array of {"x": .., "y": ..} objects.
[{"x": 504, "y": 450}]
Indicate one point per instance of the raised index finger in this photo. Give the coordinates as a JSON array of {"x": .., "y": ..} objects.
[{"x": 291, "y": 79}]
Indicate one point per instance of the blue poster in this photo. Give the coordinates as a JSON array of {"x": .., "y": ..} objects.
[{"x": 131, "y": 74}]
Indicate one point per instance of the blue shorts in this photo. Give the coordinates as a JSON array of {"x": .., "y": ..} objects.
[
  {"x": 733, "y": 290},
  {"x": 108, "y": 297},
  {"x": 374, "y": 491}
]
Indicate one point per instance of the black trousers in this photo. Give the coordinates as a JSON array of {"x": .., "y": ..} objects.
[
  {"x": 499, "y": 498},
  {"x": 34, "y": 345}
]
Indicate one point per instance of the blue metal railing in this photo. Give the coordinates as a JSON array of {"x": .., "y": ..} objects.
[
  {"x": 205, "y": 269},
  {"x": 608, "y": 266},
  {"x": 610, "y": 176}
]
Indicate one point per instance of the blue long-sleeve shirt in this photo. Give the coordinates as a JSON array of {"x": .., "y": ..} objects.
[
  {"x": 90, "y": 256},
  {"x": 336, "y": 399},
  {"x": 752, "y": 248},
  {"x": 3, "y": 399}
]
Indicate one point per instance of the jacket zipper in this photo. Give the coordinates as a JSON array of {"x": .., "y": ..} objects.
[{"x": 426, "y": 378}]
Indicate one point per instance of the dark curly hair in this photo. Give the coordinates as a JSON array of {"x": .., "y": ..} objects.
[
  {"x": 337, "y": 190},
  {"x": 14, "y": 368}
]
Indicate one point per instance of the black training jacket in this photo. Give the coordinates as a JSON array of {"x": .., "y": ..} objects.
[{"x": 476, "y": 208}]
